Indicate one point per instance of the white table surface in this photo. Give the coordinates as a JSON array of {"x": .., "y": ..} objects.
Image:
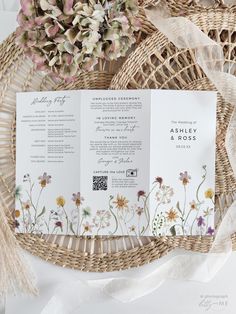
[{"x": 177, "y": 297}]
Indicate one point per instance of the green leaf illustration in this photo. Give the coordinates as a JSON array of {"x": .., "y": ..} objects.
[
  {"x": 42, "y": 212},
  {"x": 71, "y": 228},
  {"x": 173, "y": 231},
  {"x": 178, "y": 207},
  {"x": 18, "y": 192},
  {"x": 143, "y": 229}
]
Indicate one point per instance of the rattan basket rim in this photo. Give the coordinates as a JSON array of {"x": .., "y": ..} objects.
[{"x": 100, "y": 261}]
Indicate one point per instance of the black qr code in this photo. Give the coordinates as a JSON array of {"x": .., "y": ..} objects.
[{"x": 100, "y": 183}]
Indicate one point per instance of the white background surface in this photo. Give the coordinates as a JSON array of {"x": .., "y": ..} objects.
[{"x": 172, "y": 297}]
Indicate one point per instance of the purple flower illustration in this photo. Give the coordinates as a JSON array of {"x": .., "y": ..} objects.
[
  {"x": 17, "y": 224},
  {"x": 77, "y": 198},
  {"x": 159, "y": 180},
  {"x": 44, "y": 179},
  {"x": 140, "y": 194},
  {"x": 184, "y": 177},
  {"x": 200, "y": 221},
  {"x": 210, "y": 231},
  {"x": 58, "y": 224}
]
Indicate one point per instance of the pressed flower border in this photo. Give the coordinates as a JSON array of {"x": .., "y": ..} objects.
[
  {"x": 98, "y": 254},
  {"x": 130, "y": 219}
]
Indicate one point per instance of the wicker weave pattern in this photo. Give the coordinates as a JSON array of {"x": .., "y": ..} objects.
[
  {"x": 187, "y": 7},
  {"x": 157, "y": 63},
  {"x": 147, "y": 67},
  {"x": 17, "y": 73}
]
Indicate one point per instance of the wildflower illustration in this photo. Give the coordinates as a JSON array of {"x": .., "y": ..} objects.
[
  {"x": 132, "y": 230},
  {"x": 60, "y": 201},
  {"x": 30, "y": 209},
  {"x": 78, "y": 217},
  {"x": 183, "y": 218},
  {"x": 170, "y": 214},
  {"x": 87, "y": 227},
  {"x": 102, "y": 220},
  {"x": 122, "y": 213}
]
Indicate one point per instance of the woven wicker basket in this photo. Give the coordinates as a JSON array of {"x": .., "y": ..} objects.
[
  {"x": 17, "y": 73},
  {"x": 102, "y": 253},
  {"x": 186, "y": 7},
  {"x": 157, "y": 63}
]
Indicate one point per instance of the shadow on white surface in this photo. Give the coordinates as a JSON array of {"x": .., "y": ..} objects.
[
  {"x": 8, "y": 24},
  {"x": 9, "y": 5},
  {"x": 172, "y": 297}
]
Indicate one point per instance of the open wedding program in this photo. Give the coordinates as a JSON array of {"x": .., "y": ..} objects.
[{"x": 106, "y": 162}]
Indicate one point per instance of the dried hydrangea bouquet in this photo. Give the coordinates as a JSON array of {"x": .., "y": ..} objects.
[{"x": 67, "y": 37}]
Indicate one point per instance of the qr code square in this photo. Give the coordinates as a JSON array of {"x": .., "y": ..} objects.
[{"x": 100, "y": 183}]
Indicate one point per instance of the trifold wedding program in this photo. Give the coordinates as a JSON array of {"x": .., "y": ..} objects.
[{"x": 115, "y": 162}]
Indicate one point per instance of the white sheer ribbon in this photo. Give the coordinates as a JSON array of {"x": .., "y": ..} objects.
[
  {"x": 190, "y": 265},
  {"x": 209, "y": 56}
]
